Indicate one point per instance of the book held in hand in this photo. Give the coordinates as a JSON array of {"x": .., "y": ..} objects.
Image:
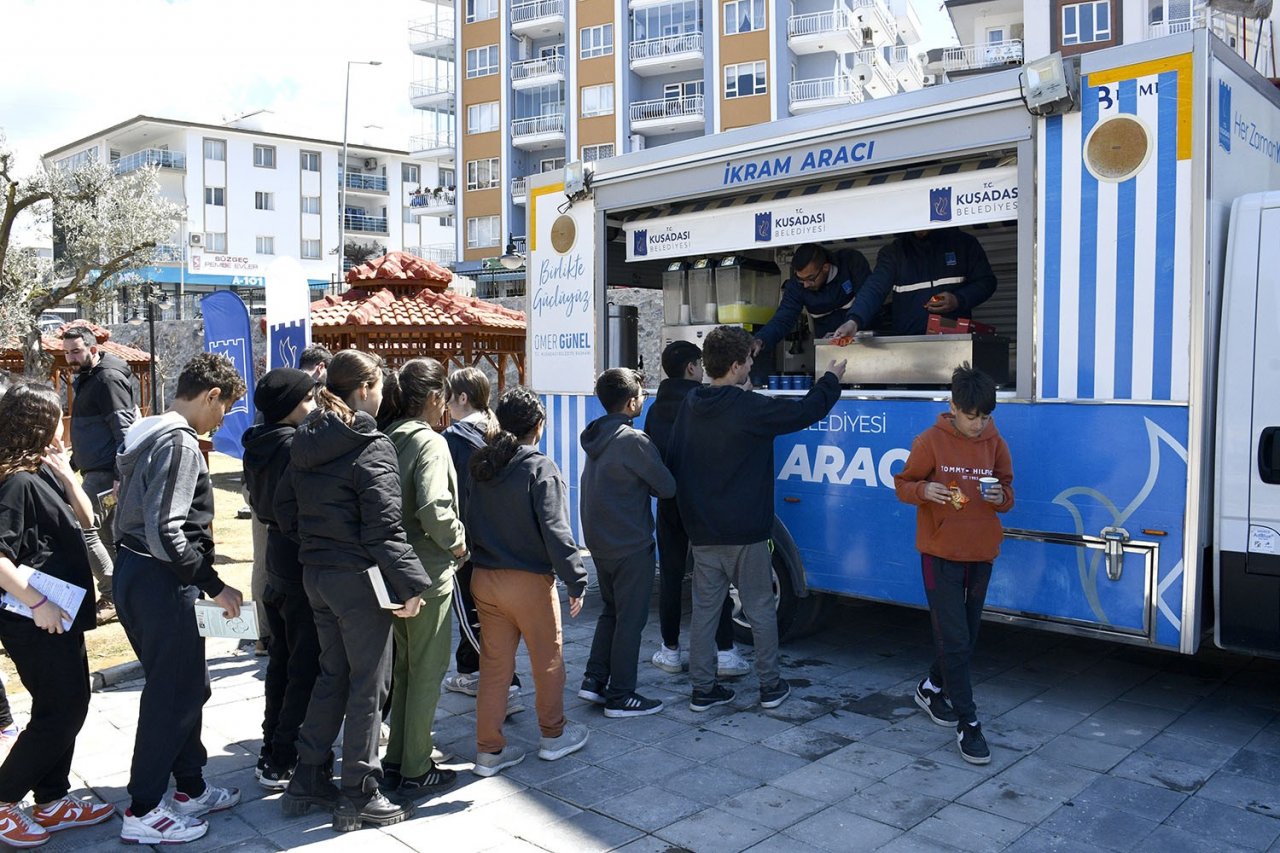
[{"x": 387, "y": 598}]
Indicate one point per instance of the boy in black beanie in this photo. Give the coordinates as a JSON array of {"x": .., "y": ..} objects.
[{"x": 284, "y": 397}]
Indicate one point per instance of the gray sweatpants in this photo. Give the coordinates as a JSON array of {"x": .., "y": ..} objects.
[
  {"x": 748, "y": 567},
  {"x": 101, "y": 540}
]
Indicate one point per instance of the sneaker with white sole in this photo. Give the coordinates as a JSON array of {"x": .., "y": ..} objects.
[
  {"x": 705, "y": 700},
  {"x": 493, "y": 763},
  {"x": 592, "y": 690},
  {"x": 514, "y": 705},
  {"x": 69, "y": 812},
  {"x": 572, "y": 738},
  {"x": 463, "y": 682},
  {"x": 161, "y": 825},
  {"x": 935, "y": 703},
  {"x": 674, "y": 661},
  {"x": 775, "y": 694},
  {"x": 973, "y": 746},
  {"x": 730, "y": 664},
  {"x": 214, "y": 799},
  {"x": 17, "y": 829},
  {"x": 633, "y": 705}
]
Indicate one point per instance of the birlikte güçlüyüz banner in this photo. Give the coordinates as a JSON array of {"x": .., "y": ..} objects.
[
  {"x": 288, "y": 313},
  {"x": 562, "y": 333},
  {"x": 226, "y": 331}
]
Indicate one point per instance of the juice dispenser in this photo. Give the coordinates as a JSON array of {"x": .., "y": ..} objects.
[
  {"x": 702, "y": 292},
  {"x": 675, "y": 295},
  {"x": 746, "y": 291}
]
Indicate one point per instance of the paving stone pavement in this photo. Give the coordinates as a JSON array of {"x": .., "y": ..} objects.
[{"x": 1095, "y": 746}]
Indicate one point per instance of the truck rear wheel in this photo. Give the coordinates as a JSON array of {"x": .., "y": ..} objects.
[{"x": 797, "y": 617}]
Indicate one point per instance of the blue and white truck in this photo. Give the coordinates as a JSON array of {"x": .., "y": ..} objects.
[{"x": 1136, "y": 242}]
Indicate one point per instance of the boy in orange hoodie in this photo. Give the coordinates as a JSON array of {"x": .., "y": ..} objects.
[{"x": 958, "y": 535}]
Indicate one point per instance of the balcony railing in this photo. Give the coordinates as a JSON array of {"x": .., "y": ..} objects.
[
  {"x": 538, "y": 125},
  {"x": 443, "y": 253},
  {"x": 970, "y": 56},
  {"x": 666, "y": 46},
  {"x": 427, "y": 30},
  {"x": 444, "y": 198},
  {"x": 430, "y": 87},
  {"x": 377, "y": 183},
  {"x": 816, "y": 23},
  {"x": 533, "y": 11},
  {"x": 519, "y": 187},
  {"x": 876, "y": 14},
  {"x": 691, "y": 105},
  {"x": 541, "y": 67},
  {"x": 370, "y": 224},
  {"x": 431, "y": 141},
  {"x": 826, "y": 89},
  {"x": 150, "y": 157}
]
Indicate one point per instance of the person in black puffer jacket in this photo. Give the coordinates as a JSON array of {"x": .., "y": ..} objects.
[{"x": 343, "y": 502}]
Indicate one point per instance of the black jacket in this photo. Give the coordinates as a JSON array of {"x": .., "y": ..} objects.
[
  {"x": 666, "y": 404},
  {"x": 464, "y": 438},
  {"x": 623, "y": 470},
  {"x": 342, "y": 501},
  {"x": 266, "y": 463},
  {"x": 722, "y": 456},
  {"x": 520, "y": 520},
  {"x": 103, "y": 408},
  {"x": 915, "y": 268},
  {"x": 827, "y": 306}
]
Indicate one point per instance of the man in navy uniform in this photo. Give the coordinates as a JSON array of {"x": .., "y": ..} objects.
[{"x": 822, "y": 283}]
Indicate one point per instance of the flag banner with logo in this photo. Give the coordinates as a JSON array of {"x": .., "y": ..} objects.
[
  {"x": 288, "y": 313},
  {"x": 226, "y": 331}
]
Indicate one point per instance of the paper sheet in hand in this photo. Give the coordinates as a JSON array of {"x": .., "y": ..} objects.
[
  {"x": 387, "y": 598},
  {"x": 211, "y": 622},
  {"x": 66, "y": 595}
]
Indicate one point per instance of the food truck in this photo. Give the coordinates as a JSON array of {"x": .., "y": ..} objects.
[{"x": 1136, "y": 316}]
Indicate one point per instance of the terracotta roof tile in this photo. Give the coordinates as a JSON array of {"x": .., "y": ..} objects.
[
  {"x": 427, "y": 307},
  {"x": 399, "y": 266}
]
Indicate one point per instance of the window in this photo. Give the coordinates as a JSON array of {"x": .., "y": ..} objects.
[
  {"x": 311, "y": 204},
  {"x": 310, "y": 161},
  {"x": 745, "y": 79},
  {"x": 482, "y": 232},
  {"x": 482, "y": 61},
  {"x": 482, "y": 118},
  {"x": 597, "y": 100},
  {"x": 686, "y": 89},
  {"x": 743, "y": 16},
  {"x": 553, "y": 164},
  {"x": 215, "y": 242},
  {"x": 216, "y": 196},
  {"x": 482, "y": 174},
  {"x": 264, "y": 156},
  {"x": 448, "y": 179},
  {"x": 591, "y": 153},
  {"x": 407, "y": 216},
  {"x": 595, "y": 41},
  {"x": 481, "y": 10},
  {"x": 311, "y": 250},
  {"x": 667, "y": 20},
  {"x": 265, "y": 245},
  {"x": 1085, "y": 23},
  {"x": 264, "y": 201},
  {"x": 409, "y": 173},
  {"x": 215, "y": 149}
]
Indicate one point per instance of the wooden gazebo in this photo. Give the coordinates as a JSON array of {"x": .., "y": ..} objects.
[
  {"x": 398, "y": 307},
  {"x": 61, "y": 374}
]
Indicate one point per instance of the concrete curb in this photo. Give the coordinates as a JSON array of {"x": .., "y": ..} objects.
[{"x": 114, "y": 675}]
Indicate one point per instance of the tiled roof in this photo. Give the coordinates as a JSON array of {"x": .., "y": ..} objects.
[
  {"x": 400, "y": 266},
  {"x": 52, "y": 342},
  {"x": 359, "y": 307}
]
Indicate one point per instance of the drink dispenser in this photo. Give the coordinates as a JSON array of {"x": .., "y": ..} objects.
[
  {"x": 746, "y": 290},
  {"x": 702, "y": 292},
  {"x": 675, "y": 295}
]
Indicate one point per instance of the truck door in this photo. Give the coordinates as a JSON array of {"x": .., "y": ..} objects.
[{"x": 1247, "y": 482}]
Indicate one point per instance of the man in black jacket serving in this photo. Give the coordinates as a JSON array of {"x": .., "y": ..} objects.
[
  {"x": 824, "y": 284},
  {"x": 944, "y": 271}
]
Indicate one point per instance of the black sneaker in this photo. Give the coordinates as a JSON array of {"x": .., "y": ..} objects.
[
  {"x": 936, "y": 705},
  {"x": 634, "y": 705},
  {"x": 436, "y": 780},
  {"x": 973, "y": 746},
  {"x": 705, "y": 700},
  {"x": 775, "y": 694},
  {"x": 274, "y": 778},
  {"x": 592, "y": 690}
]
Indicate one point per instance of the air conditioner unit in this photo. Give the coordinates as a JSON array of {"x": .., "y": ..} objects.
[
  {"x": 370, "y": 163},
  {"x": 636, "y": 142},
  {"x": 195, "y": 239},
  {"x": 930, "y": 80}
]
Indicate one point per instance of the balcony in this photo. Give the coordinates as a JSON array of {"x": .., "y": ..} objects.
[
  {"x": 667, "y": 115},
  {"x": 432, "y": 146},
  {"x": 519, "y": 190},
  {"x": 434, "y": 203},
  {"x": 432, "y": 92},
  {"x": 357, "y": 182},
  {"x": 872, "y": 16},
  {"x": 907, "y": 68},
  {"x": 874, "y": 73},
  {"x": 150, "y": 157},
  {"x": 1223, "y": 25},
  {"x": 978, "y": 57},
  {"x": 822, "y": 32},
  {"x": 539, "y": 19},
  {"x": 365, "y": 224},
  {"x": 533, "y": 73},
  {"x": 443, "y": 254},
  {"x": 432, "y": 37},
  {"x": 532, "y": 134},
  {"x": 821, "y": 93},
  {"x": 651, "y": 57}
]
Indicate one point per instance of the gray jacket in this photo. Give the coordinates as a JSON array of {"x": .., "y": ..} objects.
[{"x": 623, "y": 470}]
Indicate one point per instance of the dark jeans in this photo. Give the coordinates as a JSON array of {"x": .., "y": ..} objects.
[
  {"x": 292, "y": 668},
  {"x": 956, "y": 592},
  {"x": 673, "y": 564},
  {"x": 625, "y": 586},
  {"x": 55, "y": 670},
  {"x": 467, "y": 656},
  {"x": 355, "y": 673},
  {"x": 157, "y": 612}
]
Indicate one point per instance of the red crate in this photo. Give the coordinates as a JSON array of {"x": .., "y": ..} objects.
[{"x": 939, "y": 325}]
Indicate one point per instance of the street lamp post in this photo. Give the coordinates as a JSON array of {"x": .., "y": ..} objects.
[
  {"x": 342, "y": 166},
  {"x": 151, "y": 295}
]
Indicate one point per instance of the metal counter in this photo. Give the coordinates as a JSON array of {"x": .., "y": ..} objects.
[{"x": 915, "y": 359}]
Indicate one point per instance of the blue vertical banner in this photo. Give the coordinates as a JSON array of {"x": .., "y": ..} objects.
[
  {"x": 288, "y": 313},
  {"x": 226, "y": 331}
]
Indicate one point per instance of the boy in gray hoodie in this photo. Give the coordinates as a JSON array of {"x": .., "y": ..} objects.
[{"x": 623, "y": 470}]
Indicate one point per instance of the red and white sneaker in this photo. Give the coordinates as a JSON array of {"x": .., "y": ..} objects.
[
  {"x": 69, "y": 812},
  {"x": 161, "y": 825},
  {"x": 214, "y": 799},
  {"x": 17, "y": 829}
]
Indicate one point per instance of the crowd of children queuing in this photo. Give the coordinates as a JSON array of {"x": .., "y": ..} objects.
[{"x": 359, "y": 494}]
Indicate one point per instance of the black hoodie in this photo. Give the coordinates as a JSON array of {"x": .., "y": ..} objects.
[
  {"x": 343, "y": 500},
  {"x": 661, "y": 417},
  {"x": 103, "y": 409},
  {"x": 722, "y": 456},
  {"x": 464, "y": 438},
  {"x": 623, "y": 470},
  {"x": 266, "y": 460}
]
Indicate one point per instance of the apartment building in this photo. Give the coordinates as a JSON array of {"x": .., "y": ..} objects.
[
  {"x": 251, "y": 196},
  {"x": 512, "y": 88}
]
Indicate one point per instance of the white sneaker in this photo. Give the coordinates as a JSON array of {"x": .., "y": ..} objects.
[
  {"x": 214, "y": 799},
  {"x": 572, "y": 739},
  {"x": 463, "y": 683},
  {"x": 730, "y": 664},
  {"x": 674, "y": 661},
  {"x": 161, "y": 825}
]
